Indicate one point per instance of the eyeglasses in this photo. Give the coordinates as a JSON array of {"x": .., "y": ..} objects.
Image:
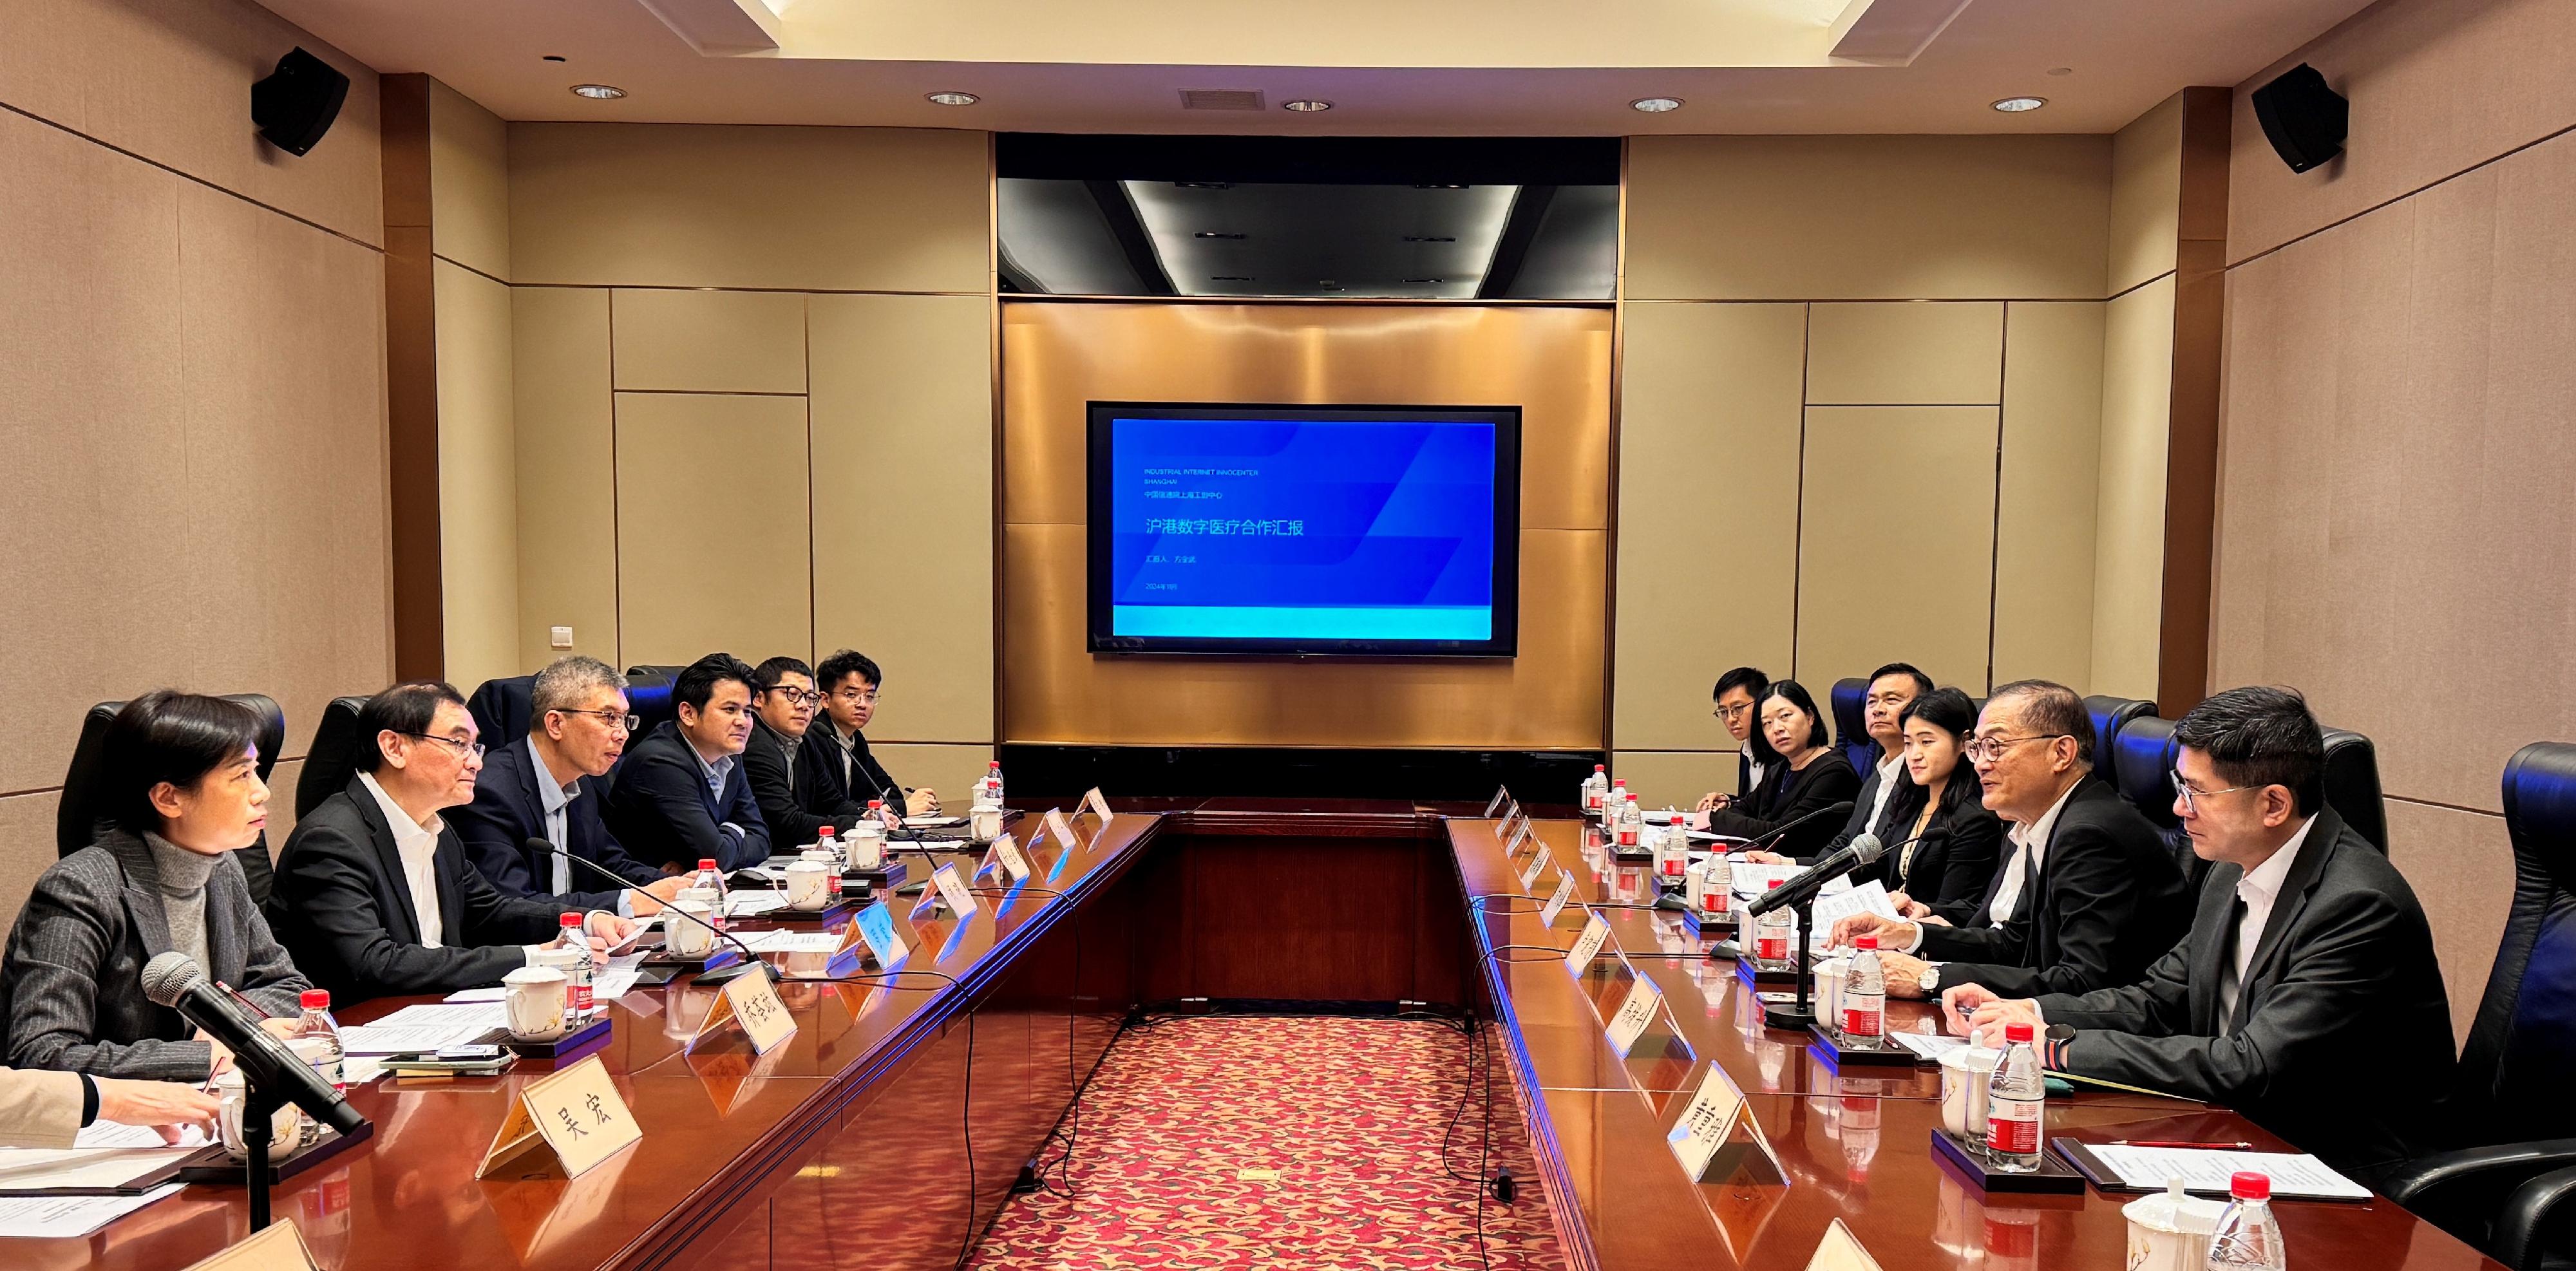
[
  {"x": 463, "y": 749},
  {"x": 868, "y": 698},
  {"x": 2188, "y": 794},
  {"x": 1732, "y": 712},
  {"x": 797, "y": 696},
  {"x": 1981, "y": 749},
  {"x": 616, "y": 719}
]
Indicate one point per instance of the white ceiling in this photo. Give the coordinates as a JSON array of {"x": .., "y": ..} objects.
[{"x": 1390, "y": 67}]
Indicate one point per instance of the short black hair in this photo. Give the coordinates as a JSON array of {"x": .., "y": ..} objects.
[
  {"x": 698, "y": 679},
  {"x": 2260, "y": 736},
  {"x": 1922, "y": 683},
  {"x": 844, "y": 664},
  {"x": 1954, "y": 712},
  {"x": 1749, "y": 678},
  {"x": 767, "y": 675},
  {"x": 1796, "y": 695},
  {"x": 167, "y": 735},
  {"x": 2053, "y": 710},
  {"x": 406, "y": 709}
]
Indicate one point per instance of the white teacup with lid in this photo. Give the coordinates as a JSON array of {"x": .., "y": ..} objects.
[{"x": 2170, "y": 1231}]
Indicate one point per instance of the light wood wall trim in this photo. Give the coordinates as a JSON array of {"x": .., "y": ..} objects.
[
  {"x": 2191, "y": 448},
  {"x": 411, "y": 383}
]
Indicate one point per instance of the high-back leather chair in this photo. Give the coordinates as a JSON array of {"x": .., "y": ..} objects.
[
  {"x": 82, "y": 813},
  {"x": 2139, "y": 765},
  {"x": 2352, "y": 785},
  {"x": 333, "y": 758},
  {"x": 1851, "y": 723},
  {"x": 2110, "y": 715},
  {"x": 503, "y": 709},
  {"x": 650, "y": 703},
  {"x": 653, "y": 673},
  {"x": 2511, "y": 1099}
]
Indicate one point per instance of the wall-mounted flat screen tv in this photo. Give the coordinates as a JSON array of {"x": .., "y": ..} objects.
[{"x": 1304, "y": 530}]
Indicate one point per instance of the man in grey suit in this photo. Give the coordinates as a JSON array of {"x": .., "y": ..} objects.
[{"x": 2306, "y": 996}]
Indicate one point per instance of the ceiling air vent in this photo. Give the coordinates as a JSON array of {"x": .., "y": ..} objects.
[{"x": 1220, "y": 99}]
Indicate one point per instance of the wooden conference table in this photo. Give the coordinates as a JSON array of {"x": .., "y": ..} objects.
[{"x": 889, "y": 1127}]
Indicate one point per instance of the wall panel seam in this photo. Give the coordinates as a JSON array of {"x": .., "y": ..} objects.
[
  {"x": 1798, "y": 523},
  {"x": 2400, "y": 198},
  {"x": 791, "y": 291},
  {"x": 2146, "y": 283},
  {"x": 713, "y": 392},
  {"x": 1995, "y": 523},
  {"x": 1856, "y": 300},
  {"x": 468, "y": 268},
  {"x": 184, "y": 175},
  {"x": 2436, "y": 803}
]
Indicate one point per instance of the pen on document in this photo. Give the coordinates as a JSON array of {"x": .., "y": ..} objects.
[{"x": 2199, "y": 1147}]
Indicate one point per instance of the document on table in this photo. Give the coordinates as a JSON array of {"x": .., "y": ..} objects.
[
  {"x": 60, "y": 1217},
  {"x": 104, "y": 1155},
  {"x": 789, "y": 941},
  {"x": 1753, "y": 880},
  {"x": 753, "y": 904},
  {"x": 2207, "y": 1173},
  {"x": 1833, "y": 906},
  {"x": 931, "y": 822},
  {"x": 426, "y": 1027},
  {"x": 1929, "y": 1046}
]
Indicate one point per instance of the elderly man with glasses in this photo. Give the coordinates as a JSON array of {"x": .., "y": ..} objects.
[
  {"x": 547, "y": 789},
  {"x": 2086, "y": 898}
]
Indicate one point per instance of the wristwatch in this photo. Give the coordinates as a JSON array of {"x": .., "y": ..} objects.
[{"x": 1929, "y": 980}]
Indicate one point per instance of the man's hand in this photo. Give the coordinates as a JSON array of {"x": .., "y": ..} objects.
[
  {"x": 1894, "y": 936},
  {"x": 648, "y": 900},
  {"x": 1908, "y": 907},
  {"x": 921, "y": 802},
  {"x": 1763, "y": 858},
  {"x": 1712, "y": 801},
  {"x": 1986, "y": 1023},
  {"x": 1959, "y": 1003},
  {"x": 1904, "y": 974},
  {"x": 607, "y": 931},
  {"x": 166, "y": 1106}
]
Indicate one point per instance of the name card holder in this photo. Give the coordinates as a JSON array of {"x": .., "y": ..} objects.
[
  {"x": 1537, "y": 866},
  {"x": 1518, "y": 839},
  {"x": 876, "y": 926},
  {"x": 1587, "y": 946},
  {"x": 275, "y": 1247},
  {"x": 1096, "y": 803},
  {"x": 1840, "y": 1250},
  {"x": 575, "y": 1116},
  {"x": 1636, "y": 1011},
  {"x": 952, "y": 889},
  {"x": 1556, "y": 903},
  {"x": 1718, "y": 1141},
  {"x": 1061, "y": 830},
  {"x": 750, "y": 1002},
  {"x": 1502, "y": 795},
  {"x": 1003, "y": 853}
]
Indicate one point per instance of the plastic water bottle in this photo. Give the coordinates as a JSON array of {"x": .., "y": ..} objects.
[
  {"x": 1864, "y": 1021},
  {"x": 709, "y": 883},
  {"x": 579, "y": 976},
  {"x": 827, "y": 841},
  {"x": 1596, "y": 788},
  {"x": 989, "y": 790},
  {"x": 2015, "y": 1101},
  {"x": 1672, "y": 850},
  {"x": 2246, "y": 1238},
  {"x": 1717, "y": 887},
  {"x": 317, "y": 1040},
  {"x": 1615, "y": 800},
  {"x": 1632, "y": 825},
  {"x": 1772, "y": 934}
]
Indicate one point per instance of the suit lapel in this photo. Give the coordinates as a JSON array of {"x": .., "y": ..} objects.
[
  {"x": 540, "y": 868},
  {"x": 2295, "y": 887},
  {"x": 380, "y": 835},
  {"x": 447, "y": 866},
  {"x": 2216, "y": 920},
  {"x": 142, "y": 895}
]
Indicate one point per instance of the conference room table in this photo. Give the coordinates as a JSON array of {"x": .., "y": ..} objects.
[{"x": 887, "y": 1130}]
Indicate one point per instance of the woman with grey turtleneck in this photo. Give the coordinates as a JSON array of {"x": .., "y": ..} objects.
[{"x": 185, "y": 792}]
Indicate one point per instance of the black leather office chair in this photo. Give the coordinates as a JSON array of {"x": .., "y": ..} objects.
[
  {"x": 2352, "y": 785},
  {"x": 2140, "y": 766},
  {"x": 2511, "y": 1099},
  {"x": 82, "y": 812},
  {"x": 333, "y": 758},
  {"x": 649, "y": 673},
  {"x": 650, "y": 703},
  {"x": 503, "y": 709},
  {"x": 1850, "y": 705},
  {"x": 2110, "y": 714}
]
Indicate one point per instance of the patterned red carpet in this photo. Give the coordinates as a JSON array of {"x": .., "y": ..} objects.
[{"x": 1349, "y": 1112}]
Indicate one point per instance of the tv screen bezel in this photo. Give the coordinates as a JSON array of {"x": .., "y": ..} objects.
[{"x": 1505, "y": 642}]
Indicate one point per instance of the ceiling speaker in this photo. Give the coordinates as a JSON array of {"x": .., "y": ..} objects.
[
  {"x": 295, "y": 105},
  {"x": 2305, "y": 119}
]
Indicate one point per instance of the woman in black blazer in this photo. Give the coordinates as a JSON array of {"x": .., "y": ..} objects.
[
  {"x": 1811, "y": 775},
  {"x": 1937, "y": 805}
]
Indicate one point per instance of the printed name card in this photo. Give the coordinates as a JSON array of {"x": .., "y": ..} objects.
[
  {"x": 576, "y": 1114},
  {"x": 1061, "y": 829},
  {"x": 1006, "y": 853},
  {"x": 1635, "y": 1012},
  {"x": 1587, "y": 946},
  {"x": 275, "y": 1247},
  {"x": 752, "y": 1002},
  {"x": 1098, "y": 803},
  {"x": 1840, "y": 1250},
  {"x": 1538, "y": 865},
  {"x": 953, "y": 890},
  {"x": 876, "y": 926},
  {"x": 1556, "y": 903},
  {"x": 1502, "y": 795},
  {"x": 1706, "y": 1124},
  {"x": 1512, "y": 845}
]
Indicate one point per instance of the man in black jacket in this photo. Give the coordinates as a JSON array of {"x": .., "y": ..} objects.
[
  {"x": 796, "y": 799},
  {"x": 838, "y": 750},
  {"x": 375, "y": 896},
  {"x": 681, "y": 795},
  {"x": 2087, "y": 898},
  {"x": 547, "y": 787},
  {"x": 2307, "y": 995}
]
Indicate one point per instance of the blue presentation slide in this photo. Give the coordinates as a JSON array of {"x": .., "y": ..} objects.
[{"x": 1302, "y": 529}]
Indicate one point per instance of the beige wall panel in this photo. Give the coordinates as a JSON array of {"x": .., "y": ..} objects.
[
  {"x": 1547, "y": 698},
  {"x": 2437, "y": 87},
  {"x": 1553, "y": 363},
  {"x": 709, "y": 555},
  {"x": 703, "y": 205},
  {"x": 469, "y": 182},
  {"x": 1675, "y": 777},
  {"x": 1867, "y": 218},
  {"x": 478, "y": 477},
  {"x": 169, "y": 80},
  {"x": 2146, "y": 196},
  {"x": 2395, "y": 473},
  {"x": 2461, "y": 867},
  {"x": 903, "y": 487},
  {"x": 26, "y": 846},
  {"x": 952, "y": 771},
  {"x": 2129, "y": 530},
  {"x": 567, "y": 457},
  {"x": 709, "y": 341},
  {"x": 2045, "y": 511},
  {"x": 1708, "y": 506},
  {"x": 1914, "y": 585},
  {"x": 1905, "y": 354}
]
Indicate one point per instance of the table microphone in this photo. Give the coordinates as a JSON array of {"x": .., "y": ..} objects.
[
  {"x": 1865, "y": 848},
  {"x": 1842, "y": 809},
  {"x": 175, "y": 980},
  {"x": 718, "y": 976}
]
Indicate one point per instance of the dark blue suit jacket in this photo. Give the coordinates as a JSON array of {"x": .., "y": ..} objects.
[
  {"x": 662, "y": 813},
  {"x": 508, "y": 810}
]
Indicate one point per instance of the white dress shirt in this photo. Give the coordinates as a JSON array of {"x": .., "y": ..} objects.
[
  {"x": 2260, "y": 889},
  {"x": 554, "y": 799},
  {"x": 1887, "y": 769},
  {"x": 416, "y": 844},
  {"x": 2030, "y": 842},
  {"x": 1752, "y": 770}
]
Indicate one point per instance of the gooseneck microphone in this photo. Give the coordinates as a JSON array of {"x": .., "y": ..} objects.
[
  {"x": 1864, "y": 849},
  {"x": 1843, "y": 809},
  {"x": 720, "y": 975},
  {"x": 175, "y": 980}
]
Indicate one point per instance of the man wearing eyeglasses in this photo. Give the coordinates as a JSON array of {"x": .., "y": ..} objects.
[
  {"x": 2086, "y": 898},
  {"x": 547, "y": 788},
  {"x": 682, "y": 795},
  {"x": 796, "y": 797},
  {"x": 375, "y": 894},
  {"x": 851, "y": 683}
]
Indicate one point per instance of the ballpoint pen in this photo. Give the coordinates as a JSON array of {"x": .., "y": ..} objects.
[{"x": 2201, "y": 1147}]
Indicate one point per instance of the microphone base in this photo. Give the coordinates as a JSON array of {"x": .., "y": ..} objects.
[
  {"x": 1788, "y": 1018},
  {"x": 729, "y": 973},
  {"x": 212, "y": 1164}
]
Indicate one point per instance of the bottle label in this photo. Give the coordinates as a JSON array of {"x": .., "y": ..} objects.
[
  {"x": 581, "y": 997},
  {"x": 1863, "y": 1021},
  {"x": 2012, "y": 1125},
  {"x": 1771, "y": 947}
]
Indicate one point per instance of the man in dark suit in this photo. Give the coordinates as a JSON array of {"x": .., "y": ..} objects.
[
  {"x": 681, "y": 796},
  {"x": 1892, "y": 688},
  {"x": 2088, "y": 897},
  {"x": 796, "y": 799},
  {"x": 2307, "y": 995},
  {"x": 849, "y": 683},
  {"x": 547, "y": 787},
  {"x": 375, "y": 896}
]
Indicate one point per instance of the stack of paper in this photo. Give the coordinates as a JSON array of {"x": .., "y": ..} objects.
[
  {"x": 59, "y": 1217},
  {"x": 426, "y": 1027}
]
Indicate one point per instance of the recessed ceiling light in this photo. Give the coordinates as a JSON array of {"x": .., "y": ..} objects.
[
  {"x": 2016, "y": 105},
  {"x": 598, "y": 92},
  {"x": 953, "y": 99},
  {"x": 1656, "y": 105},
  {"x": 1209, "y": 233},
  {"x": 1307, "y": 105}
]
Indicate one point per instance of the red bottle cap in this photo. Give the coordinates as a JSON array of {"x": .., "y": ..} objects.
[
  {"x": 994, "y": 766},
  {"x": 874, "y": 804},
  {"x": 2248, "y": 1185},
  {"x": 2017, "y": 1032},
  {"x": 1601, "y": 767},
  {"x": 569, "y": 920},
  {"x": 827, "y": 832},
  {"x": 314, "y": 999},
  {"x": 707, "y": 863},
  {"x": 1864, "y": 942}
]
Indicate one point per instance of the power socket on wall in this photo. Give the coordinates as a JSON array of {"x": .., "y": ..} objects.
[{"x": 559, "y": 637}]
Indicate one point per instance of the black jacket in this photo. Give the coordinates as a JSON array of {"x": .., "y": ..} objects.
[
  {"x": 1952, "y": 865},
  {"x": 508, "y": 810},
  {"x": 2107, "y": 903},
  {"x": 2341, "y": 1023},
  {"x": 344, "y": 910},
  {"x": 1784, "y": 795},
  {"x": 867, "y": 778},
  {"x": 661, "y": 812},
  {"x": 795, "y": 813}
]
